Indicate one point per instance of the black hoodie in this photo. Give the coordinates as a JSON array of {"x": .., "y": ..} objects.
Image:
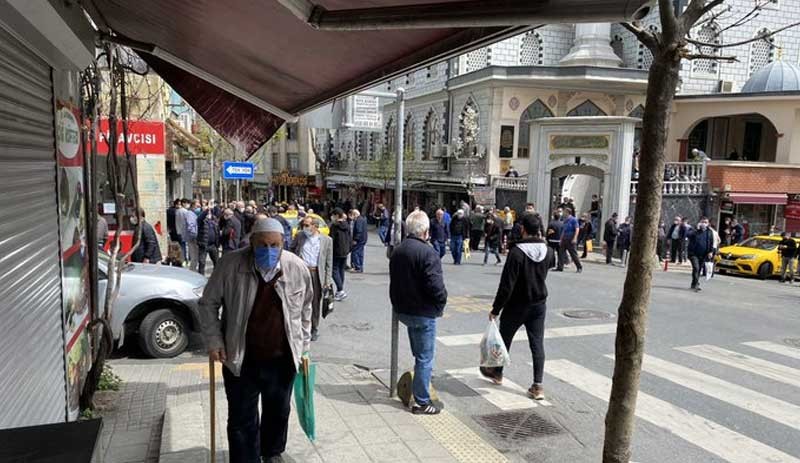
[{"x": 523, "y": 281}]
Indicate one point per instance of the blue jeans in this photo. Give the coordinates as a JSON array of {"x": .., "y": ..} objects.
[
  {"x": 422, "y": 337},
  {"x": 457, "y": 248},
  {"x": 357, "y": 257},
  {"x": 338, "y": 272},
  {"x": 251, "y": 437},
  {"x": 440, "y": 247},
  {"x": 382, "y": 230}
]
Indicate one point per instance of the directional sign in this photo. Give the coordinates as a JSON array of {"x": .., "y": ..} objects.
[{"x": 232, "y": 170}]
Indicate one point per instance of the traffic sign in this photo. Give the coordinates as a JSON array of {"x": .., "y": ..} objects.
[{"x": 232, "y": 170}]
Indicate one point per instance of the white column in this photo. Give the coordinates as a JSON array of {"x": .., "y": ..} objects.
[{"x": 592, "y": 47}]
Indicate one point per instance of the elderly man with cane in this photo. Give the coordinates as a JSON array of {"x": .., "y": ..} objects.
[{"x": 263, "y": 332}]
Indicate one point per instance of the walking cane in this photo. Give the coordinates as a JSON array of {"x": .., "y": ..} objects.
[{"x": 212, "y": 384}]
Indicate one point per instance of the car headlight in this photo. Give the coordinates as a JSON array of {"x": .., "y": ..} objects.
[
  {"x": 198, "y": 291},
  {"x": 747, "y": 257}
]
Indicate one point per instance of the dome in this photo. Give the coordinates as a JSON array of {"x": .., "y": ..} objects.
[{"x": 778, "y": 76}]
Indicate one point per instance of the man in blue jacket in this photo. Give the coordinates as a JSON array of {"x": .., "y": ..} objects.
[
  {"x": 359, "y": 241},
  {"x": 418, "y": 296},
  {"x": 439, "y": 233},
  {"x": 700, "y": 249}
]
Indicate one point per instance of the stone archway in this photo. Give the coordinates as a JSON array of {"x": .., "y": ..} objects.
[{"x": 598, "y": 146}]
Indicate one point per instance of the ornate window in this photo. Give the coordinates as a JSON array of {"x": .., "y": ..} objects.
[
  {"x": 531, "y": 50},
  {"x": 762, "y": 52},
  {"x": 431, "y": 136},
  {"x": 619, "y": 47},
  {"x": 645, "y": 55},
  {"x": 390, "y": 137},
  {"x": 409, "y": 137},
  {"x": 468, "y": 128},
  {"x": 637, "y": 112},
  {"x": 587, "y": 108},
  {"x": 362, "y": 145},
  {"x": 709, "y": 33},
  {"x": 536, "y": 110},
  {"x": 373, "y": 146},
  {"x": 477, "y": 59}
]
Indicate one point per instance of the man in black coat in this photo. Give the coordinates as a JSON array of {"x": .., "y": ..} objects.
[
  {"x": 418, "y": 296},
  {"x": 610, "y": 232},
  {"x": 148, "y": 252},
  {"x": 553, "y": 234},
  {"x": 342, "y": 244},
  {"x": 700, "y": 249},
  {"x": 207, "y": 239},
  {"x": 231, "y": 233},
  {"x": 359, "y": 241},
  {"x": 676, "y": 235},
  {"x": 459, "y": 230}
]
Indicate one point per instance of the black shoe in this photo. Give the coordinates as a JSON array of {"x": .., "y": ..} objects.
[
  {"x": 428, "y": 409},
  {"x": 580, "y": 270},
  {"x": 559, "y": 270},
  {"x": 314, "y": 335}
]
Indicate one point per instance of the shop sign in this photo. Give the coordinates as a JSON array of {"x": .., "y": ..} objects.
[
  {"x": 726, "y": 207},
  {"x": 483, "y": 195},
  {"x": 144, "y": 137},
  {"x": 792, "y": 208},
  {"x": 289, "y": 180},
  {"x": 507, "y": 141},
  {"x": 366, "y": 112}
]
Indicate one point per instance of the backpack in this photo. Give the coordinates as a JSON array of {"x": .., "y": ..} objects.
[{"x": 191, "y": 227}]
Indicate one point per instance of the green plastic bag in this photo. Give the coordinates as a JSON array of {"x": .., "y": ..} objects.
[{"x": 304, "y": 397}]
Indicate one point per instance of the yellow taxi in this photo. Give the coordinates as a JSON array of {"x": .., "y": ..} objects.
[
  {"x": 294, "y": 222},
  {"x": 757, "y": 255}
]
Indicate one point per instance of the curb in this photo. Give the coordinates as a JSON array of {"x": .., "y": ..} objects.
[{"x": 183, "y": 437}]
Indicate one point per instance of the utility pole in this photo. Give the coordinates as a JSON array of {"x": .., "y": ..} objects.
[
  {"x": 397, "y": 234},
  {"x": 213, "y": 184}
]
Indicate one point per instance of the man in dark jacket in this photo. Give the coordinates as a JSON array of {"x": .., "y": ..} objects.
[
  {"x": 522, "y": 296},
  {"x": 418, "y": 296},
  {"x": 553, "y": 234},
  {"x": 148, "y": 251},
  {"x": 439, "y": 233},
  {"x": 207, "y": 239},
  {"x": 272, "y": 212},
  {"x": 359, "y": 241},
  {"x": 459, "y": 229},
  {"x": 494, "y": 236},
  {"x": 477, "y": 221},
  {"x": 788, "y": 250},
  {"x": 610, "y": 232},
  {"x": 700, "y": 249},
  {"x": 342, "y": 242},
  {"x": 231, "y": 233},
  {"x": 676, "y": 235},
  {"x": 171, "y": 227}
]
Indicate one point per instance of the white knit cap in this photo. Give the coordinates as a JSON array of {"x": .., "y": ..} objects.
[{"x": 267, "y": 226}]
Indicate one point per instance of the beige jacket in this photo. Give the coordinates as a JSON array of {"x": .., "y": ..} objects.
[
  {"x": 233, "y": 286},
  {"x": 325, "y": 256}
]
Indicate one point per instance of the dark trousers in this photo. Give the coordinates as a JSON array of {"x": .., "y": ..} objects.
[
  {"x": 440, "y": 247},
  {"x": 357, "y": 257},
  {"x": 491, "y": 248},
  {"x": 339, "y": 264},
  {"x": 697, "y": 268},
  {"x": 660, "y": 249},
  {"x": 555, "y": 245},
  {"x": 533, "y": 319},
  {"x": 475, "y": 239},
  {"x": 609, "y": 251},
  {"x": 249, "y": 436},
  {"x": 457, "y": 248},
  {"x": 676, "y": 250},
  {"x": 567, "y": 246},
  {"x": 316, "y": 303},
  {"x": 210, "y": 251}
]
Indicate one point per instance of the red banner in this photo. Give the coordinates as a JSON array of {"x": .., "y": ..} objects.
[
  {"x": 144, "y": 137},
  {"x": 792, "y": 210}
]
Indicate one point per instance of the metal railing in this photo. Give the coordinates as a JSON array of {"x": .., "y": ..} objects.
[
  {"x": 681, "y": 179},
  {"x": 690, "y": 188},
  {"x": 510, "y": 183}
]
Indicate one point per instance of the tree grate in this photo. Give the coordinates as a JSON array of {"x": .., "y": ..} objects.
[{"x": 517, "y": 426}]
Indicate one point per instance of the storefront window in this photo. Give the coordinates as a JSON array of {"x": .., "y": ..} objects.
[{"x": 756, "y": 218}]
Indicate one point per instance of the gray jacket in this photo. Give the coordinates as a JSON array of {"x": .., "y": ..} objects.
[
  {"x": 325, "y": 256},
  {"x": 233, "y": 286}
]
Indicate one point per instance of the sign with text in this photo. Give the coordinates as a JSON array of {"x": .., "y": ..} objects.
[
  {"x": 366, "y": 112},
  {"x": 144, "y": 137},
  {"x": 232, "y": 170},
  {"x": 792, "y": 209}
]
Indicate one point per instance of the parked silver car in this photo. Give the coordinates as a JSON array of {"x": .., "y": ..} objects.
[{"x": 157, "y": 304}]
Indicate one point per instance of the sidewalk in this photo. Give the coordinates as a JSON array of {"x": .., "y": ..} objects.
[
  {"x": 597, "y": 257},
  {"x": 356, "y": 421}
]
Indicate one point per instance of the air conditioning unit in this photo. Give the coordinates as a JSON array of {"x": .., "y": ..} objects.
[{"x": 725, "y": 86}]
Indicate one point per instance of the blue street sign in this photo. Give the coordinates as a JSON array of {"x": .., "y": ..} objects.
[{"x": 232, "y": 170}]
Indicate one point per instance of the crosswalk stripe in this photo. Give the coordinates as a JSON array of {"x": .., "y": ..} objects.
[
  {"x": 775, "y": 348},
  {"x": 562, "y": 332},
  {"x": 509, "y": 396},
  {"x": 704, "y": 433},
  {"x": 753, "y": 365},
  {"x": 734, "y": 394}
]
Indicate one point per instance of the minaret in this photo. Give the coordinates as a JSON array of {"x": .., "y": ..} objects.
[{"x": 592, "y": 47}]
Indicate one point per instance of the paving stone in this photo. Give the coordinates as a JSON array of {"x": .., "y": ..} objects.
[
  {"x": 346, "y": 454},
  {"x": 390, "y": 452},
  {"x": 376, "y": 435}
]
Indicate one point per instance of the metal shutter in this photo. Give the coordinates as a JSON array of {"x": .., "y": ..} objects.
[{"x": 32, "y": 379}]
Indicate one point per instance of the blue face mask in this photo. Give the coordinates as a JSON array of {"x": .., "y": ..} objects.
[
  {"x": 197, "y": 210},
  {"x": 308, "y": 232},
  {"x": 267, "y": 257}
]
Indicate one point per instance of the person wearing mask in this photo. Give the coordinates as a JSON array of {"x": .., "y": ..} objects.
[
  {"x": 521, "y": 299},
  {"x": 493, "y": 237},
  {"x": 676, "y": 235},
  {"x": 172, "y": 213},
  {"x": 342, "y": 243},
  {"x": 662, "y": 237},
  {"x": 569, "y": 241},
  {"x": 477, "y": 221},
  {"x": 554, "y": 236},
  {"x": 186, "y": 223},
  {"x": 208, "y": 235},
  {"x": 261, "y": 336},
  {"x": 700, "y": 250},
  {"x": 418, "y": 296},
  {"x": 196, "y": 207},
  {"x": 585, "y": 234},
  {"x": 788, "y": 250},
  {"x": 316, "y": 250},
  {"x": 231, "y": 232},
  {"x": 508, "y": 225},
  {"x": 249, "y": 217},
  {"x": 594, "y": 213},
  {"x": 725, "y": 232},
  {"x": 272, "y": 212},
  {"x": 439, "y": 233},
  {"x": 359, "y": 225},
  {"x": 512, "y": 172},
  {"x": 148, "y": 252},
  {"x": 624, "y": 240},
  {"x": 610, "y": 233},
  {"x": 737, "y": 231},
  {"x": 381, "y": 217},
  {"x": 459, "y": 228}
]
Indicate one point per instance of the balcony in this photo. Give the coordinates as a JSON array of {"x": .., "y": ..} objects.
[
  {"x": 510, "y": 183},
  {"x": 681, "y": 179}
]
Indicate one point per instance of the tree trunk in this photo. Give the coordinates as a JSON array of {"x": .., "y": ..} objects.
[{"x": 632, "y": 312}]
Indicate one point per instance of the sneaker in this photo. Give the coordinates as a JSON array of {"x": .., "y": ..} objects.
[
  {"x": 536, "y": 392},
  {"x": 580, "y": 270},
  {"x": 340, "y": 296},
  {"x": 428, "y": 409},
  {"x": 491, "y": 375}
]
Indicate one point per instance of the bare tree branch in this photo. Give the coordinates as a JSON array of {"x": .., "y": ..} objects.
[
  {"x": 693, "y": 56},
  {"x": 696, "y": 10},
  {"x": 644, "y": 36},
  {"x": 743, "y": 42}
]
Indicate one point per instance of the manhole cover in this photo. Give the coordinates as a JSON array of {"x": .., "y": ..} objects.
[
  {"x": 585, "y": 314},
  {"x": 794, "y": 342},
  {"x": 517, "y": 426}
]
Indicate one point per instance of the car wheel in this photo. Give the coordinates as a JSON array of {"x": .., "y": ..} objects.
[
  {"x": 765, "y": 271},
  {"x": 163, "y": 334}
]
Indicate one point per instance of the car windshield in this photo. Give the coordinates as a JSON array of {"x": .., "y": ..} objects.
[{"x": 760, "y": 243}]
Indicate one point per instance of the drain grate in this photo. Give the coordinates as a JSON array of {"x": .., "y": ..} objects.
[
  {"x": 586, "y": 314},
  {"x": 794, "y": 342},
  {"x": 517, "y": 426}
]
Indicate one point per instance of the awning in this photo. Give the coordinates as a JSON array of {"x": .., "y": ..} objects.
[
  {"x": 759, "y": 198},
  {"x": 246, "y": 65}
]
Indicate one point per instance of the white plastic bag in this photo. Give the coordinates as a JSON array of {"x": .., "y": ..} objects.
[
  {"x": 709, "y": 270},
  {"x": 493, "y": 349}
]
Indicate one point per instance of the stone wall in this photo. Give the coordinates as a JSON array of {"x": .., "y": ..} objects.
[{"x": 685, "y": 206}]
